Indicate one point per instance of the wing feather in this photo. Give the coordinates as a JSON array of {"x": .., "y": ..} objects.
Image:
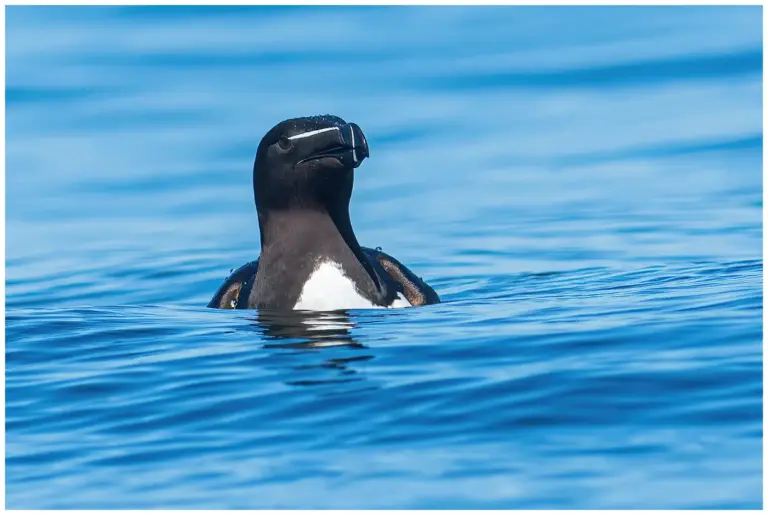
[
  {"x": 238, "y": 283},
  {"x": 418, "y": 292}
]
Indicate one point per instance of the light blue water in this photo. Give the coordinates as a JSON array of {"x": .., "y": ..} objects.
[{"x": 582, "y": 186}]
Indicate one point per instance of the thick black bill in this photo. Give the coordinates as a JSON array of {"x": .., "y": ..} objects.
[
  {"x": 347, "y": 145},
  {"x": 354, "y": 138}
]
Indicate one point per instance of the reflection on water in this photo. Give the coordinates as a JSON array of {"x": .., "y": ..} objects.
[
  {"x": 308, "y": 330},
  {"x": 303, "y": 329}
]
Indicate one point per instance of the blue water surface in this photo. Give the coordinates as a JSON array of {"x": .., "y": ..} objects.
[{"x": 582, "y": 186}]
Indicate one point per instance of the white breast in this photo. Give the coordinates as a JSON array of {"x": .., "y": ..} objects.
[
  {"x": 329, "y": 289},
  {"x": 400, "y": 302}
]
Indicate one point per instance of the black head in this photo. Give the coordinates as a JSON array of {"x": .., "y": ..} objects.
[{"x": 307, "y": 163}]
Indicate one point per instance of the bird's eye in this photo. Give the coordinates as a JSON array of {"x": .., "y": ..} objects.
[{"x": 285, "y": 144}]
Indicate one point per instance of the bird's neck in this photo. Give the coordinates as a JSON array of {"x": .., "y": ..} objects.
[
  {"x": 304, "y": 234},
  {"x": 299, "y": 229}
]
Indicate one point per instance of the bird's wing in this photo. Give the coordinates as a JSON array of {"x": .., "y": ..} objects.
[
  {"x": 239, "y": 281},
  {"x": 414, "y": 288}
]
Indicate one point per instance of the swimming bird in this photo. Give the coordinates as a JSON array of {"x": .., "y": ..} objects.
[{"x": 310, "y": 258}]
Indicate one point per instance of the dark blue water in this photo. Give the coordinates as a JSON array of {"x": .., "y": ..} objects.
[{"x": 582, "y": 186}]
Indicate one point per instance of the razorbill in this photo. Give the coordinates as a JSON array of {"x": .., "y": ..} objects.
[{"x": 310, "y": 258}]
